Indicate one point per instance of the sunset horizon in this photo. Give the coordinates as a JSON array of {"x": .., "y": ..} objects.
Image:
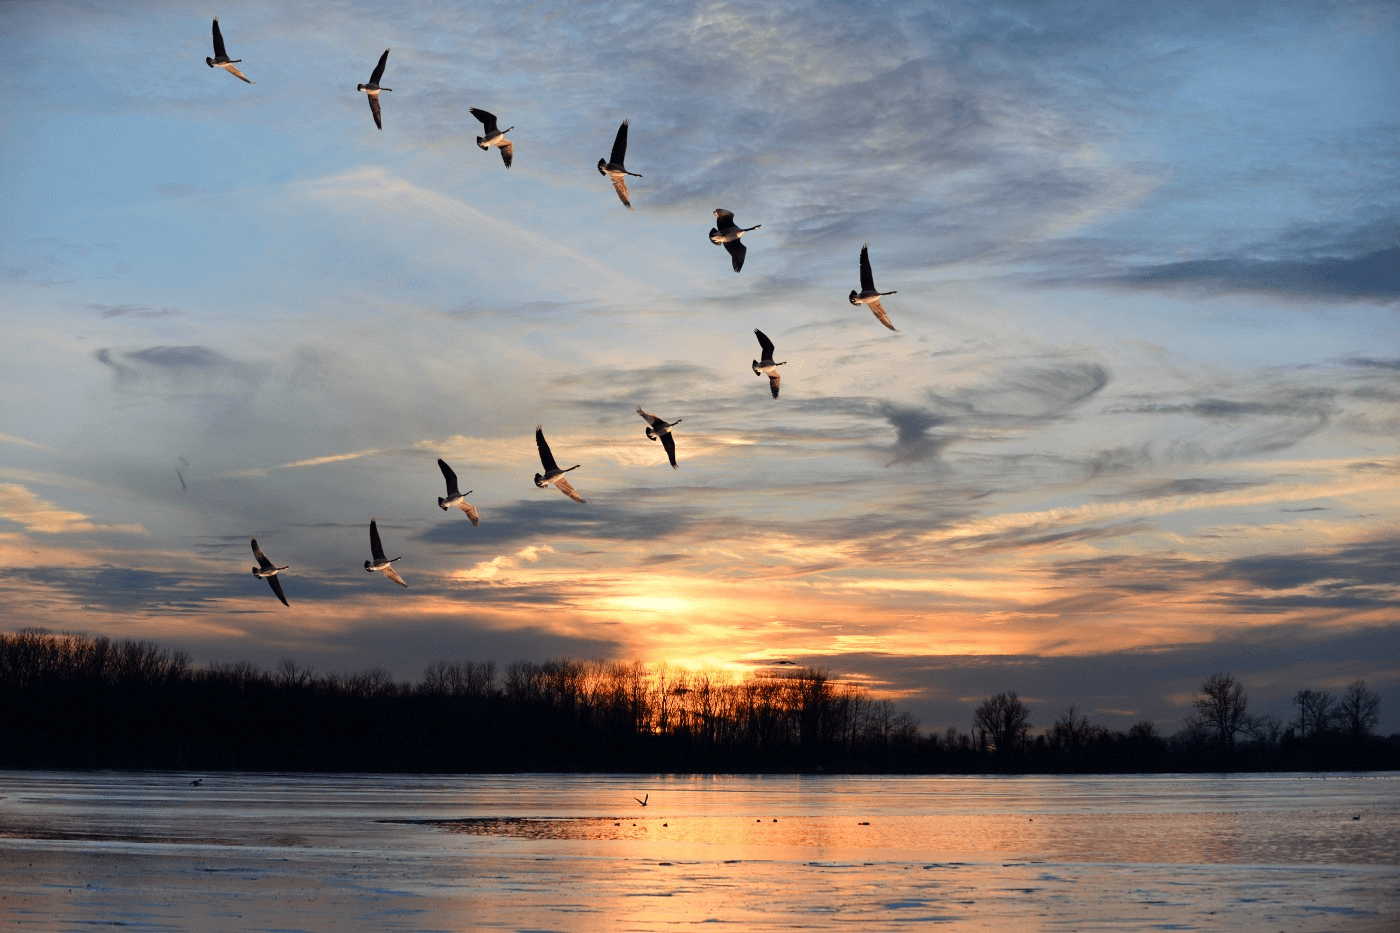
[{"x": 1139, "y": 422}]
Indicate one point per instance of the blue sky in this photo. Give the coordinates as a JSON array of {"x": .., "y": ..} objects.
[{"x": 1138, "y": 424}]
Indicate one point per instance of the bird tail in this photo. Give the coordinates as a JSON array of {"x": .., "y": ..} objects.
[
  {"x": 853, "y": 298},
  {"x": 209, "y": 61},
  {"x": 368, "y": 568},
  {"x": 481, "y": 142},
  {"x": 539, "y": 477},
  {"x": 651, "y": 435},
  {"x": 442, "y": 503}
]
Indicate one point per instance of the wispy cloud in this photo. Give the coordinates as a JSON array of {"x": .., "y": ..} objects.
[{"x": 18, "y": 504}]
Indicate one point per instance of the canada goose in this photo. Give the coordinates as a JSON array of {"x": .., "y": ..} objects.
[
  {"x": 727, "y": 235},
  {"x": 268, "y": 571},
  {"x": 613, "y": 167},
  {"x": 553, "y": 476},
  {"x": 868, "y": 295},
  {"x": 373, "y": 88},
  {"x": 642, "y": 800},
  {"x": 455, "y": 499},
  {"x": 221, "y": 59},
  {"x": 766, "y": 366},
  {"x": 376, "y": 550},
  {"x": 494, "y": 136},
  {"x": 659, "y": 429}
]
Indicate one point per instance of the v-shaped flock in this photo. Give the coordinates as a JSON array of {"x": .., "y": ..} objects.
[{"x": 726, "y": 233}]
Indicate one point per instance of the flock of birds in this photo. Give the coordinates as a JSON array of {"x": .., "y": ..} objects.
[{"x": 725, "y": 233}]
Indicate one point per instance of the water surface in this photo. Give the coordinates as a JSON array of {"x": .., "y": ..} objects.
[{"x": 1294, "y": 852}]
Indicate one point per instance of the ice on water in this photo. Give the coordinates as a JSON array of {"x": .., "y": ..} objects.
[{"x": 575, "y": 852}]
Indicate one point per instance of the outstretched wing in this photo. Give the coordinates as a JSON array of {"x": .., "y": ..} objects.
[
  {"x": 488, "y": 120},
  {"x": 764, "y": 343},
  {"x": 619, "y": 149},
  {"x": 724, "y": 219},
  {"x": 867, "y": 278},
  {"x": 774, "y": 381},
  {"x": 393, "y": 574},
  {"x": 546, "y": 458},
  {"x": 379, "y": 68},
  {"x": 451, "y": 478},
  {"x": 668, "y": 440},
  {"x": 650, "y": 419},
  {"x": 376, "y": 549},
  {"x": 874, "y": 305},
  {"x": 276, "y": 585},
  {"x": 737, "y": 252},
  {"x": 263, "y": 562},
  {"x": 237, "y": 74},
  {"x": 470, "y": 509},
  {"x": 620, "y": 186},
  {"x": 374, "y": 109},
  {"x": 568, "y": 490},
  {"x": 219, "y": 51}
]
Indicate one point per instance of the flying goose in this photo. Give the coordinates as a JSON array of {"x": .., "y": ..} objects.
[
  {"x": 268, "y": 571},
  {"x": 384, "y": 566},
  {"x": 659, "y": 429},
  {"x": 727, "y": 235},
  {"x": 455, "y": 499},
  {"x": 642, "y": 800},
  {"x": 553, "y": 476},
  {"x": 494, "y": 136},
  {"x": 373, "y": 88},
  {"x": 766, "y": 366},
  {"x": 868, "y": 295},
  {"x": 221, "y": 59},
  {"x": 613, "y": 167}
]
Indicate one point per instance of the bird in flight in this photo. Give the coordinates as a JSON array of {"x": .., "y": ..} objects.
[
  {"x": 868, "y": 296},
  {"x": 221, "y": 59},
  {"x": 553, "y": 476},
  {"x": 642, "y": 800},
  {"x": 455, "y": 499},
  {"x": 659, "y": 429},
  {"x": 613, "y": 167},
  {"x": 268, "y": 571},
  {"x": 766, "y": 366},
  {"x": 372, "y": 89},
  {"x": 494, "y": 136},
  {"x": 727, "y": 235},
  {"x": 380, "y": 563}
]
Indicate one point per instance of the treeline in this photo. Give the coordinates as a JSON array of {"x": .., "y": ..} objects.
[{"x": 72, "y": 701}]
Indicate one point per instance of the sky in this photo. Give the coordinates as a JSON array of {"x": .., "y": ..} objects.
[{"x": 1139, "y": 424}]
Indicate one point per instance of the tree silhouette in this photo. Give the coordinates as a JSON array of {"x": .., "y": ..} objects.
[
  {"x": 1359, "y": 710},
  {"x": 1221, "y": 708},
  {"x": 1002, "y": 723},
  {"x": 1316, "y": 710}
]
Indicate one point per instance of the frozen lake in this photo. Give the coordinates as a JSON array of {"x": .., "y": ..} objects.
[{"x": 286, "y": 852}]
